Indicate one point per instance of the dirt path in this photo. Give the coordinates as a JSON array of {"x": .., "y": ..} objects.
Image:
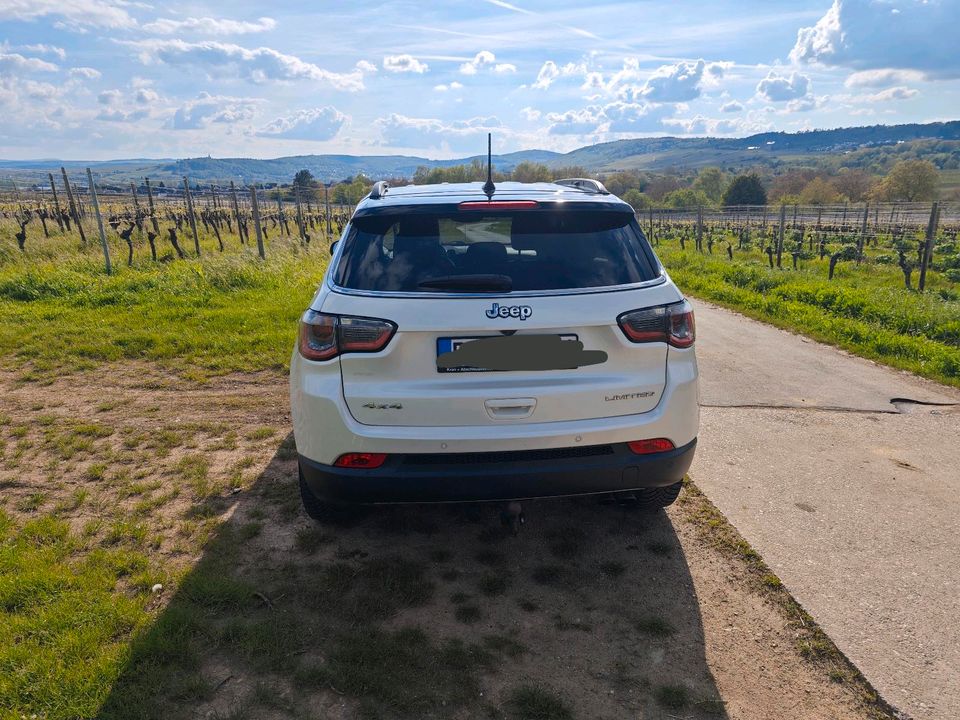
[
  {"x": 851, "y": 499},
  {"x": 610, "y": 613}
]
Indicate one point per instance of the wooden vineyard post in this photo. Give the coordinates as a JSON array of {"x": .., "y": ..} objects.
[
  {"x": 326, "y": 201},
  {"x": 192, "y": 217},
  {"x": 650, "y": 211},
  {"x": 96, "y": 212},
  {"x": 73, "y": 207},
  {"x": 236, "y": 211},
  {"x": 153, "y": 214},
  {"x": 300, "y": 225},
  {"x": 256, "y": 221},
  {"x": 783, "y": 221},
  {"x": 151, "y": 239},
  {"x": 863, "y": 233},
  {"x": 136, "y": 203},
  {"x": 928, "y": 245},
  {"x": 700, "y": 228},
  {"x": 56, "y": 201},
  {"x": 280, "y": 222}
]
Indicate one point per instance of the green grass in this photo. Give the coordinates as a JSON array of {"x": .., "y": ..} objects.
[
  {"x": 64, "y": 628},
  {"x": 216, "y": 314},
  {"x": 864, "y": 310}
]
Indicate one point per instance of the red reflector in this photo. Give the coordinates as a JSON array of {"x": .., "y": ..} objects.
[
  {"x": 361, "y": 460},
  {"x": 653, "y": 445},
  {"x": 498, "y": 205}
]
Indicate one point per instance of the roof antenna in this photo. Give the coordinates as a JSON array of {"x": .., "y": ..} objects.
[{"x": 488, "y": 187}]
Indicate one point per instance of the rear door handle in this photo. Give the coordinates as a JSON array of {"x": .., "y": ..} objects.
[{"x": 510, "y": 408}]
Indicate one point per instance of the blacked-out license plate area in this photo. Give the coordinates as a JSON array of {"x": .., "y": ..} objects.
[{"x": 499, "y": 353}]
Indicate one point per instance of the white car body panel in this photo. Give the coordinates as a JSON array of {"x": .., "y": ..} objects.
[{"x": 396, "y": 402}]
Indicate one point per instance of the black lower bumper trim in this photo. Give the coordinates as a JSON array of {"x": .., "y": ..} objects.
[{"x": 404, "y": 479}]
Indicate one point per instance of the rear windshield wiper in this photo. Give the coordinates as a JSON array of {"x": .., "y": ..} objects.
[{"x": 470, "y": 283}]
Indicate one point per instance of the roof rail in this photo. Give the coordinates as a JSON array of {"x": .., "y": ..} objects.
[
  {"x": 586, "y": 184},
  {"x": 379, "y": 189}
]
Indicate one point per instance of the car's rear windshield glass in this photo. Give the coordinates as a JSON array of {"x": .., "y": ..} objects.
[{"x": 521, "y": 250}]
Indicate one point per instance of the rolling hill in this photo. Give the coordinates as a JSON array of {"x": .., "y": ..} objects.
[{"x": 650, "y": 154}]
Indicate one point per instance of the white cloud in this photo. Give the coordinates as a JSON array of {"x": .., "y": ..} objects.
[
  {"x": 530, "y": 113},
  {"x": 780, "y": 88},
  {"x": 210, "y": 26},
  {"x": 260, "y": 65},
  {"x": 550, "y": 71},
  {"x": 626, "y": 117},
  {"x": 680, "y": 82},
  {"x": 404, "y": 63},
  {"x": 871, "y": 34},
  {"x": 484, "y": 57},
  {"x": 318, "y": 124},
  {"x": 366, "y": 66},
  {"x": 895, "y": 93},
  {"x": 675, "y": 83},
  {"x": 109, "y": 97},
  {"x": 615, "y": 117},
  {"x": 593, "y": 81},
  {"x": 701, "y": 125},
  {"x": 41, "y": 90},
  {"x": 451, "y": 86},
  {"x": 804, "y": 104},
  {"x": 44, "y": 49},
  {"x": 146, "y": 96},
  {"x": 503, "y": 68},
  {"x": 18, "y": 63},
  {"x": 575, "y": 122},
  {"x": 85, "y": 72},
  {"x": 402, "y": 131},
  {"x": 882, "y": 78},
  {"x": 207, "y": 109},
  {"x": 74, "y": 14},
  {"x": 731, "y": 107},
  {"x": 123, "y": 116}
]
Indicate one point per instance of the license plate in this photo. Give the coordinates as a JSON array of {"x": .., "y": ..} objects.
[{"x": 446, "y": 345}]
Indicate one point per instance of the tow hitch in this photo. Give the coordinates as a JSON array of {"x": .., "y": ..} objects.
[{"x": 512, "y": 516}]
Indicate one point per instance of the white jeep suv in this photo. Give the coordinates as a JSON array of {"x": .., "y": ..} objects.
[{"x": 466, "y": 346}]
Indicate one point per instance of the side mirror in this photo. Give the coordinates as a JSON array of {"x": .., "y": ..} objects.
[{"x": 333, "y": 246}]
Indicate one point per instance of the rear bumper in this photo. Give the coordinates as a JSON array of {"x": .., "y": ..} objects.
[{"x": 498, "y": 476}]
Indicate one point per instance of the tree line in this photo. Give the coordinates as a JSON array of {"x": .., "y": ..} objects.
[{"x": 909, "y": 180}]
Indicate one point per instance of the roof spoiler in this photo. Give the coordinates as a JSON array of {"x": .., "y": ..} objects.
[
  {"x": 586, "y": 184},
  {"x": 378, "y": 190}
]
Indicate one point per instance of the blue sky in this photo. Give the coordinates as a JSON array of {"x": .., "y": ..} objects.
[{"x": 99, "y": 79}]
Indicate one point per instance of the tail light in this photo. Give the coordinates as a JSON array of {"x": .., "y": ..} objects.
[
  {"x": 324, "y": 336},
  {"x": 360, "y": 460},
  {"x": 672, "y": 324},
  {"x": 651, "y": 446}
]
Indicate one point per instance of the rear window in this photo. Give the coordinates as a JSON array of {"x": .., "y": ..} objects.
[{"x": 536, "y": 250}]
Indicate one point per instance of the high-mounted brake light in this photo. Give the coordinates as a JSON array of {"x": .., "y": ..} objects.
[
  {"x": 360, "y": 460},
  {"x": 650, "y": 446},
  {"x": 498, "y": 205},
  {"x": 672, "y": 324},
  {"x": 324, "y": 336}
]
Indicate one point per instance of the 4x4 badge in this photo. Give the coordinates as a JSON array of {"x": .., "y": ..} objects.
[{"x": 509, "y": 311}]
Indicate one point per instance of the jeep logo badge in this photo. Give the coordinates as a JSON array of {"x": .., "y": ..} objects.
[{"x": 513, "y": 311}]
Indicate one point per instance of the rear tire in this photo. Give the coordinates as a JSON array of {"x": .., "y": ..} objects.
[
  {"x": 315, "y": 509},
  {"x": 659, "y": 497},
  {"x": 650, "y": 499}
]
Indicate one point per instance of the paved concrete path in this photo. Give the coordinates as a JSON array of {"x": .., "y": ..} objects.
[{"x": 854, "y": 501}]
